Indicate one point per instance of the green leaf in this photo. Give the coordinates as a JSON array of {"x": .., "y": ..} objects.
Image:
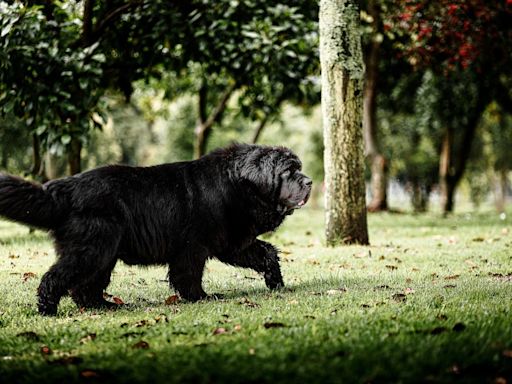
[
  {"x": 40, "y": 130},
  {"x": 65, "y": 139}
]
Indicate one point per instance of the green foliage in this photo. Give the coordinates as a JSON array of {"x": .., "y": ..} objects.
[
  {"x": 45, "y": 81},
  {"x": 14, "y": 148}
]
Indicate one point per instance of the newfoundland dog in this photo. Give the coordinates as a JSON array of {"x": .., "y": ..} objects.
[{"x": 178, "y": 214}]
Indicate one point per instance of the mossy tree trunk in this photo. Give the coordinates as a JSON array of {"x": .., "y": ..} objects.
[{"x": 342, "y": 104}]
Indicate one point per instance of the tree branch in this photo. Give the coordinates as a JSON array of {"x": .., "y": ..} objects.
[
  {"x": 112, "y": 16},
  {"x": 87, "y": 23},
  {"x": 221, "y": 106}
]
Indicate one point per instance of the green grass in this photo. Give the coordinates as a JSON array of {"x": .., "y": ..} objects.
[{"x": 429, "y": 301}]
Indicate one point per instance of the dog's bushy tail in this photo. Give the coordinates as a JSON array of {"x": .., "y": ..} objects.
[{"x": 27, "y": 203}]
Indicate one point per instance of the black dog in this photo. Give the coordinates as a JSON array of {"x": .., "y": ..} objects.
[{"x": 177, "y": 214}]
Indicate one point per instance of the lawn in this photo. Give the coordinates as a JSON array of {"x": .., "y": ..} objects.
[{"x": 429, "y": 301}]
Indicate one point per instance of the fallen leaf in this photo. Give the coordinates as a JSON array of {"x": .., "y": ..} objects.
[
  {"x": 117, "y": 300},
  {"x": 141, "y": 345},
  {"x": 173, "y": 299},
  {"x": 399, "y": 297},
  {"x": 87, "y": 338},
  {"x": 237, "y": 327},
  {"x": 274, "y": 325},
  {"x": 162, "y": 318},
  {"x": 451, "y": 277},
  {"x": 450, "y": 286},
  {"x": 507, "y": 353},
  {"x": 29, "y": 275},
  {"x": 141, "y": 323},
  {"x": 391, "y": 267},
  {"x": 478, "y": 239},
  {"x": 88, "y": 373},
  {"x": 45, "y": 350},
  {"x": 438, "y": 330},
  {"x": 219, "y": 331},
  {"x": 459, "y": 327},
  {"x": 248, "y": 303},
  {"x": 337, "y": 291},
  {"x": 500, "y": 380},
  {"x": 30, "y": 335}
]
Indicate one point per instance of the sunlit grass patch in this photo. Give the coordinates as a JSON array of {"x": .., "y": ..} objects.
[{"x": 429, "y": 301}]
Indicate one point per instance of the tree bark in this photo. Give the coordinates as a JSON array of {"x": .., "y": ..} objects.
[
  {"x": 446, "y": 172},
  {"x": 204, "y": 125},
  {"x": 74, "y": 156},
  {"x": 36, "y": 156},
  {"x": 452, "y": 164},
  {"x": 500, "y": 190},
  {"x": 342, "y": 84},
  {"x": 378, "y": 163}
]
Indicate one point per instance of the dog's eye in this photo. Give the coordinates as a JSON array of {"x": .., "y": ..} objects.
[{"x": 285, "y": 174}]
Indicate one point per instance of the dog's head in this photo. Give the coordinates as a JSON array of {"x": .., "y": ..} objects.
[{"x": 274, "y": 175}]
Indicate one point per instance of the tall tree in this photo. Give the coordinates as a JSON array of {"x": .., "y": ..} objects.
[
  {"x": 373, "y": 152},
  {"x": 467, "y": 43},
  {"x": 342, "y": 92}
]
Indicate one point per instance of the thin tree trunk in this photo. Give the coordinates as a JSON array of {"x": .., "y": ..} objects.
[
  {"x": 204, "y": 125},
  {"x": 74, "y": 156},
  {"x": 500, "y": 188},
  {"x": 453, "y": 163},
  {"x": 259, "y": 129},
  {"x": 342, "y": 82},
  {"x": 446, "y": 171},
  {"x": 36, "y": 156},
  {"x": 378, "y": 163}
]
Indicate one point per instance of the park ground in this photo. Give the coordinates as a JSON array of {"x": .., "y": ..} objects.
[{"x": 429, "y": 301}]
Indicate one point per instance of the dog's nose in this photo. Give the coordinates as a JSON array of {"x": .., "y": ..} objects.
[{"x": 307, "y": 182}]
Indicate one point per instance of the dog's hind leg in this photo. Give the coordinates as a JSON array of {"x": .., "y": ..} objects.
[
  {"x": 90, "y": 293},
  {"x": 186, "y": 274},
  {"x": 263, "y": 258},
  {"x": 86, "y": 249}
]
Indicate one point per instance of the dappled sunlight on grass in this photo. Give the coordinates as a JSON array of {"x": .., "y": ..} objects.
[{"x": 429, "y": 300}]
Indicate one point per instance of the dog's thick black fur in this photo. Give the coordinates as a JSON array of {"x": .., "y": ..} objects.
[{"x": 176, "y": 214}]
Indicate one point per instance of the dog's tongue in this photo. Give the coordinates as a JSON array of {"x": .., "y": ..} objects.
[{"x": 301, "y": 203}]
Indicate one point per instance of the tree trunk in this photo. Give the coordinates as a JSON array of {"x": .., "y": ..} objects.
[
  {"x": 378, "y": 183},
  {"x": 36, "y": 156},
  {"x": 419, "y": 197},
  {"x": 259, "y": 129},
  {"x": 74, "y": 156},
  {"x": 500, "y": 188},
  {"x": 452, "y": 164},
  {"x": 205, "y": 122},
  {"x": 378, "y": 163},
  {"x": 446, "y": 172},
  {"x": 342, "y": 82}
]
